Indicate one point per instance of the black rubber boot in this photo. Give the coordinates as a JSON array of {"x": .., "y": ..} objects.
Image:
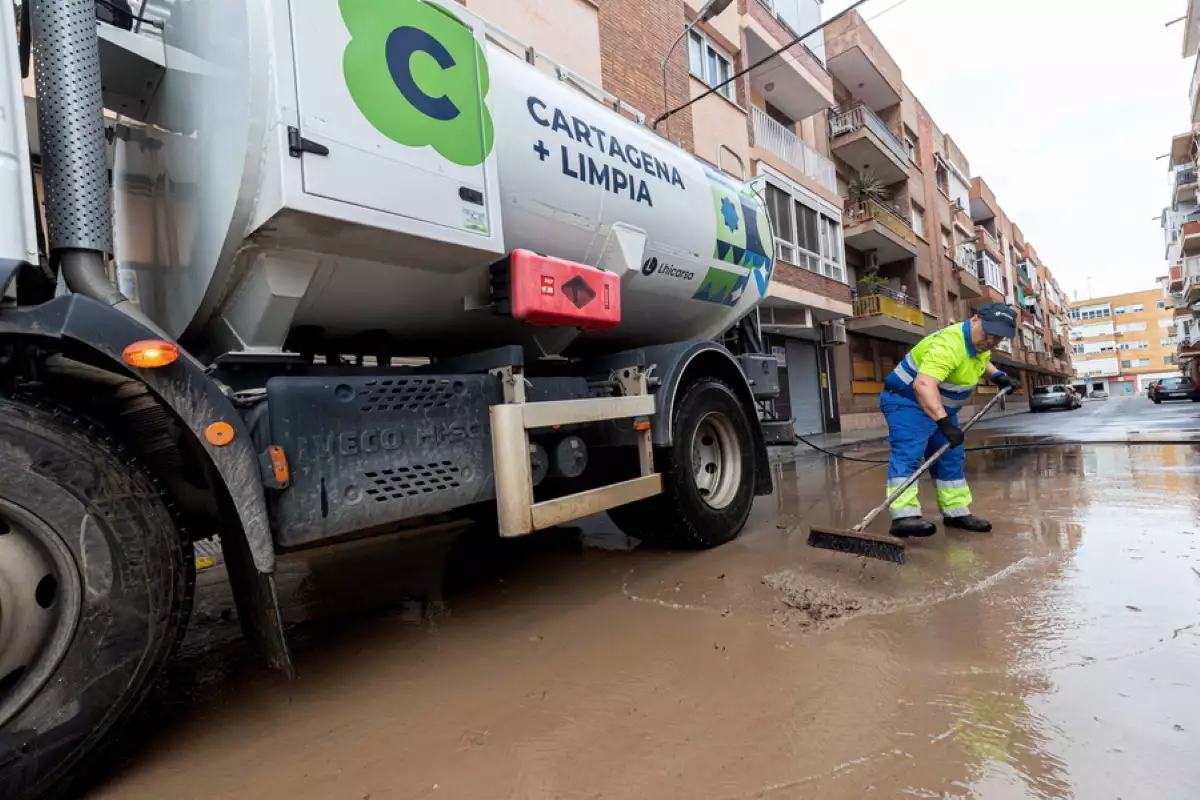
[
  {"x": 968, "y": 523},
  {"x": 912, "y": 526}
]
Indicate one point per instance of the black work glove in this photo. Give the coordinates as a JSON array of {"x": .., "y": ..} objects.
[
  {"x": 952, "y": 432},
  {"x": 1005, "y": 381}
]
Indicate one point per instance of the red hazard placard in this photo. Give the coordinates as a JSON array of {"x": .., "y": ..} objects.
[{"x": 553, "y": 291}]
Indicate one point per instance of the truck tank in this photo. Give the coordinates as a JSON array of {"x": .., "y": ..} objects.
[{"x": 356, "y": 166}]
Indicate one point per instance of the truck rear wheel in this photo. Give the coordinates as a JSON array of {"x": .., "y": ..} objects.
[
  {"x": 95, "y": 587},
  {"x": 708, "y": 474}
]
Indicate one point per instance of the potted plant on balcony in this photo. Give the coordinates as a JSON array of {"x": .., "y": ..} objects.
[
  {"x": 870, "y": 284},
  {"x": 865, "y": 185}
]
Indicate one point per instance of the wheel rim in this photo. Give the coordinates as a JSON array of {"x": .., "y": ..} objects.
[
  {"x": 716, "y": 460},
  {"x": 40, "y": 604}
]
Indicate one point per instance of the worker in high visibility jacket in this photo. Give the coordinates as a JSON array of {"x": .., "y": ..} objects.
[{"x": 920, "y": 402}]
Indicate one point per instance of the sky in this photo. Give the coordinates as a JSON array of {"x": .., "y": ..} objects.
[{"x": 1062, "y": 106}]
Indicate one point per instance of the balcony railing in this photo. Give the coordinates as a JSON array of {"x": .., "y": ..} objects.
[
  {"x": 885, "y": 215},
  {"x": 889, "y": 303},
  {"x": 849, "y": 119},
  {"x": 986, "y": 237},
  {"x": 792, "y": 149}
]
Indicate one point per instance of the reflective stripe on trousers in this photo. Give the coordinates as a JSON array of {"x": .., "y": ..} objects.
[{"x": 913, "y": 437}]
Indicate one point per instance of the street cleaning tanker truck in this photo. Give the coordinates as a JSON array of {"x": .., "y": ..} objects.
[{"x": 318, "y": 271}]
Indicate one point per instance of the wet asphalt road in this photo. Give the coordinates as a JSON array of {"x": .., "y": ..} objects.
[
  {"x": 1058, "y": 656},
  {"x": 1127, "y": 417}
]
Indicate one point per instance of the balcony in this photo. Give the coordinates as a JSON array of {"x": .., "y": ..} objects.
[
  {"x": 795, "y": 82},
  {"x": 1175, "y": 279},
  {"x": 1191, "y": 280},
  {"x": 888, "y": 314},
  {"x": 964, "y": 268},
  {"x": 872, "y": 225},
  {"x": 792, "y": 150},
  {"x": 1027, "y": 273},
  {"x": 1189, "y": 237},
  {"x": 988, "y": 242},
  {"x": 863, "y": 141},
  {"x": 861, "y": 63},
  {"x": 1184, "y": 181},
  {"x": 983, "y": 202}
]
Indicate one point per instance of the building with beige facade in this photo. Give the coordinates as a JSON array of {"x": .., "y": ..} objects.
[{"x": 1122, "y": 342}]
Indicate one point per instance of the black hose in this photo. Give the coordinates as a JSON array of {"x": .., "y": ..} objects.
[{"x": 1021, "y": 446}]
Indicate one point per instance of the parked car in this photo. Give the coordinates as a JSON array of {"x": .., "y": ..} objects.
[
  {"x": 1150, "y": 389},
  {"x": 1180, "y": 388},
  {"x": 1055, "y": 396},
  {"x": 1099, "y": 394}
]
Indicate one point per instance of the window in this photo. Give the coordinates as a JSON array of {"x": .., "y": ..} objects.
[
  {"x": 918, "y": 220},
  {"x": 991, "y": 273},
  {"x": 1168, "y": 359},
  {"x": 1133, "y": 345},
  {"x": 708, "y": 62},
  {"x": 910, "y": 145},
  {"x": 1161, "y": 304},
  {"x": 1077, "y": 349},
  {"x": 1166, "y": 323},
  {"x": 942, "y": 176},
  {"x": 1092, "y": 312},
  {"x": 1119, "y": 310},
  {"x": 923, "y": 287},
  {"x": 1131, "y": 326},
  {"x": 803, "y": 236},
  {"x": 1135, "y": 308},
  {"x": 1126, "y": 364}
]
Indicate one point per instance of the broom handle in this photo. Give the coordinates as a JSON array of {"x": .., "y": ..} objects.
[{"x": 921, "y": 470}]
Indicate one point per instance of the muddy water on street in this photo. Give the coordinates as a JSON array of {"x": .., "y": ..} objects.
[{"x": 1058, "y": 656}]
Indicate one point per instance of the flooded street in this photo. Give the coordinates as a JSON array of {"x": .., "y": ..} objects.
[{"x": 1058, "y": 656}]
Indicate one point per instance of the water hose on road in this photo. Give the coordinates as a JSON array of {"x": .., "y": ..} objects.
[{"x": 1021, "y": 446}]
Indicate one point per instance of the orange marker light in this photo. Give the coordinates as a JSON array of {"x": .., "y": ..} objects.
[
  {"x": 643, "y": 425},
  {"x": 279, "y": 464},
  {"x": 151, "y": 353},
  {"x": 219, "y": 434}
]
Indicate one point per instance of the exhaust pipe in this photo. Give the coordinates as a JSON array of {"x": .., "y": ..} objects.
[{"x": 70, "y": 109}]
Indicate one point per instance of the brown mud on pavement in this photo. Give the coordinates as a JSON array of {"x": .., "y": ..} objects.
[{"x": 1058, "y": 656}]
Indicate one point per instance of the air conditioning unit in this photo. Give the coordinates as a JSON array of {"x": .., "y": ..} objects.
[{"x": 833, "y": 332}]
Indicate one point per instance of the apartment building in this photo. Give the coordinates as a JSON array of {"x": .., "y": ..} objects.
[
  {"x": 1122, "y": 342},
  {"x": 1181, "y": 218},
  {"x": 925, "y": 242},
  {"x": 859, "y": 276}
]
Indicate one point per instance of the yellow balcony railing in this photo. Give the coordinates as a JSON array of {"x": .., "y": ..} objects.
[
  {"x": 879, "y": 306},
  {"x": 866, "y": 210}
]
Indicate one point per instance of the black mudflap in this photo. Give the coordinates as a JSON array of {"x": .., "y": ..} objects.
[{"x": 369, "y": 451}]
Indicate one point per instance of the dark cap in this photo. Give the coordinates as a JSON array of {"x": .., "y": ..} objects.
[{"x": 998, "y": 320}]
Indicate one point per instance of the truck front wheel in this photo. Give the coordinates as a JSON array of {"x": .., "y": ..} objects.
[
  {"x": 708, "y": 474},
  {"x": 95, "y": 588}
]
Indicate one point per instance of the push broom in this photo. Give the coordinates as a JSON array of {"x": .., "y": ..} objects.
[{"x": 856, "y": 540}]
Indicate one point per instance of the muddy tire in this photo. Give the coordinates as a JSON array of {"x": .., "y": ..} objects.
[
  {"x": 708, "y": 474},
  {"x": 95, "y": 585}
]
